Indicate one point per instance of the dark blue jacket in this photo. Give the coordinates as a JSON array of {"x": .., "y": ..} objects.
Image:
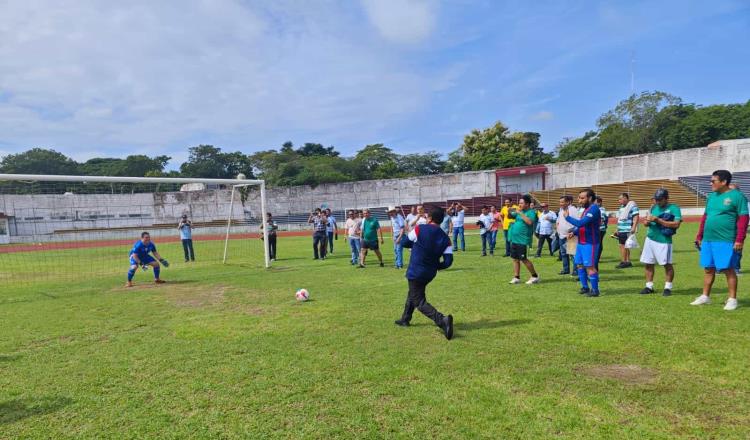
[{"x": 428, "y": 244}]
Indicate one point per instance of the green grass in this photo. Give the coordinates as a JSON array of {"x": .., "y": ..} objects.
[{"x": 226, "y": 352}]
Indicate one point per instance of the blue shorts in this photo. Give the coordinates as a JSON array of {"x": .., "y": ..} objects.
[
  {"x": 147, "y": 260},
  {"x": 586, "y": 255},
  {"x": 719, "y": 255}
]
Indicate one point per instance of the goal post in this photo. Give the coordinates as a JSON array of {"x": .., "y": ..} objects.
[{"x": 52, "y": 224}]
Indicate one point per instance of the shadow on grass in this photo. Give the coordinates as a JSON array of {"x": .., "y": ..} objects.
[
  {"x": 9, "y": 357},
  {"x": 19, "y": 409},
  {"x": 489, "y": 324}
]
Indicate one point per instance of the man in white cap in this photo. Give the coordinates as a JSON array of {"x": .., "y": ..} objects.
[{"x": 398, "y": 227}]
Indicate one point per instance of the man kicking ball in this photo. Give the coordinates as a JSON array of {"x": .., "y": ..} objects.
[
  {"x": 139, "y": 257},
  {"x": 428, "y": 243}
]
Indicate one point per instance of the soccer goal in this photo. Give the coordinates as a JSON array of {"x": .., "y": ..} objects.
[{"x": 60, "y": 228}]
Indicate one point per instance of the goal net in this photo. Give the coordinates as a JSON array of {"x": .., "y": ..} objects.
[{"x": 61, "y": 229}]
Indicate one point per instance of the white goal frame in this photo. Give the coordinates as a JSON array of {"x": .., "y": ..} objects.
[{"x": 234, "y": 183}]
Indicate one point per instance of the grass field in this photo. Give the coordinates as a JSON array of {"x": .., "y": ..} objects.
[{"x": 226, "y": 352}]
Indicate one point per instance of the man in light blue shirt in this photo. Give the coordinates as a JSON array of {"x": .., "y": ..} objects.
[
  {"x": 186, "y": 235},
  {"x": 332, "y": 229},
  {"x": 546, "y": 227},
  {"x": 457, "y": 218},
  {"x": 398, "y": 226}
]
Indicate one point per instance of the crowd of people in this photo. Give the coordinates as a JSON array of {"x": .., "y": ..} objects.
[{"x": 578, "y": 230}]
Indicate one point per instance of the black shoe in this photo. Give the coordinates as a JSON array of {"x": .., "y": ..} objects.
[
  {"x": 360, "y": 266},
  {"x": 448, "y": 327},
  {"x": 484, "y": 255},
  {"x": 315, "y": 258},
  {"x": 382, "y": 265},
  {"x": 402, "y": 323},
  {"x": 628, "y": 264},
  {"x": 593, "y": 294},
  {"x": 584, "y": 290},
  {"x": 667, "y": 292},
  {"x": 647, "y": 291},
  {"x": 562, "y": 272}
]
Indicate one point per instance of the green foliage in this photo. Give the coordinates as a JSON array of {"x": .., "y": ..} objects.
[
  {"x": 657, "y": 121},
  {"x": 132, "y": 166},
  {"x": 497, "y": 147},
  {"x": 38, "y": 161},
  {"x": 209, "y": 162}
]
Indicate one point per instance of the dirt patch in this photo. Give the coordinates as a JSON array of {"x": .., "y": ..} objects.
[
  {"x": 629, "y": 374},
  {"x": 196, "y": 296}
]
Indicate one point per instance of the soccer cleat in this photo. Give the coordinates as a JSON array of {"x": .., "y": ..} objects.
[
  {"x": 533, "y": 280},
  {"x": 667, "y": 292},
  {"x": 401, "y": 322},
  {"x": 448, "y": 327},
  {"x": 647, "y": 291},
  {"x": 627, "y": 264},
  {"x": 515, "y": 281},
  {"x": 731, "y": 304},
  {"x": 701, "y": 300},
  {"x": 381, "y": 264},
  {"x": 360, "y": 266},
  {"x": 593, "y": 294},
  {"x": 159, "y": 281},
  {"x": 564, "y": 272},
  {"x": 584, "y": 290},
  {"x": 129, "y": 284}
]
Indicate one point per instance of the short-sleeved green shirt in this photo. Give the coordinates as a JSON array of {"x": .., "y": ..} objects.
[
  {"x": 654, "y": 229},
  {"x": 520, "y": 232},
  {"x": 370, "y": 228},
  {"x": 722, "y": 211}
]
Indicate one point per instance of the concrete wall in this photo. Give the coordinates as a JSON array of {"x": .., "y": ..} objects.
[{"x": 732, "y": 155}]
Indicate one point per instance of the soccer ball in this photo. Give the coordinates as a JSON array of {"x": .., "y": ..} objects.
[
  {"x": 302, "y": 295},
  {"x": 241, "y": 176}
]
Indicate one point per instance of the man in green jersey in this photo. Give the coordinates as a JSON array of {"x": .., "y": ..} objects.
[
  {"x": 662, "y": 220},
  {"x": 520, "y": 236},
  {"x": 370, "y": 230},
  {"x": 721, "y": 236}
]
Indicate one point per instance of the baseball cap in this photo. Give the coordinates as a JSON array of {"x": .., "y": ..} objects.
[
  {"x": 391, "y": 208},
  {"x": 661, "y": 193}
]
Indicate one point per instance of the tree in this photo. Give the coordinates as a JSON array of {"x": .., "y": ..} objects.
[
  {"x": 421, "y": 164},
  {"x": 132, "y": 166},
  {"x": 376, "y": 161},
  {"x": 497, "y": 147},
  {"x": 311, "y": 149},
  {"x": 38, "y": 161},
  {"x": 207, "y": 161}
]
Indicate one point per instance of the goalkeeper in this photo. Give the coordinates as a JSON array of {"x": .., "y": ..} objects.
[{"x": 139, "y": 257}]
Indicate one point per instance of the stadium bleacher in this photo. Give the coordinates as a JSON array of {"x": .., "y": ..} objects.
[
  {"x": 702, "y": 184},
  {"x": 639, "y": 191}
]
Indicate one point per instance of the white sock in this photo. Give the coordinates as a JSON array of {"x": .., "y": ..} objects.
[
  {"x": 668, "y": 285},
  {"x": 650, "y": 284}
]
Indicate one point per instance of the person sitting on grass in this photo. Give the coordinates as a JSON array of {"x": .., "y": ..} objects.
[
  {"x": 428, "y": 244},
  {"x": 520, "y": 235},
  {"x": 139, "y": 257}
]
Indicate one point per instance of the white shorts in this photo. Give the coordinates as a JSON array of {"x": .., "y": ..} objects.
[{"x": 656, "y": 253}]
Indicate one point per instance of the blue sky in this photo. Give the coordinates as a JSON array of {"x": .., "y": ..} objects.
[{"x": 111, "y": 79}]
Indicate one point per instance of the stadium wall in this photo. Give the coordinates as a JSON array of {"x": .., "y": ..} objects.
[{"x": 733, "y": 155}]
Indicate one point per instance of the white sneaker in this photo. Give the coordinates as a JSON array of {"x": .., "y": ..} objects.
[
  {"x": 731, "y": 304},
  {"x": 533, "y": 280},
  {"x": 703, "y": 299},
  {"x": 515, "y": 281}
]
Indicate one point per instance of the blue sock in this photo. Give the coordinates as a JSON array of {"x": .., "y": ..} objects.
[
  {"x": 594, "y": 282},
  {"x": 583, "y": 278},
  {"x": 156, "y": 272},
  {"x": 131, "y": 273}
]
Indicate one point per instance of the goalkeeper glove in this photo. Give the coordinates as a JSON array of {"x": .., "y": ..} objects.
[{"x": 164, "y": 262}]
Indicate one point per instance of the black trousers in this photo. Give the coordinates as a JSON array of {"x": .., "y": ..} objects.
[
  {"x": 542, "y": 239},
  {"x": 416, "y": 300},
  {"x": 319, "y": 244},
  {"x": 602, "y": 234},
  {"x": 272, "y": 246},
  {"x": 187, "y": 247}
]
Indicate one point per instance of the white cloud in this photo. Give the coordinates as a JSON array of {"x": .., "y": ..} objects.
[
  {"x": 127, "y": 77},
  {"x": 543, "y": 116},
  {"x": 402, "y": 21}
]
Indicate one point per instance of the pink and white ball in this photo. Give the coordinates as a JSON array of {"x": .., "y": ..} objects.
[{"x": 302, "y": 295}]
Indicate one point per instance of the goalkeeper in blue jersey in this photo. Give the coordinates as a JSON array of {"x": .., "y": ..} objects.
[
  {"x": 589, "y": 240},
  {"x": 139, "y": 257}
]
